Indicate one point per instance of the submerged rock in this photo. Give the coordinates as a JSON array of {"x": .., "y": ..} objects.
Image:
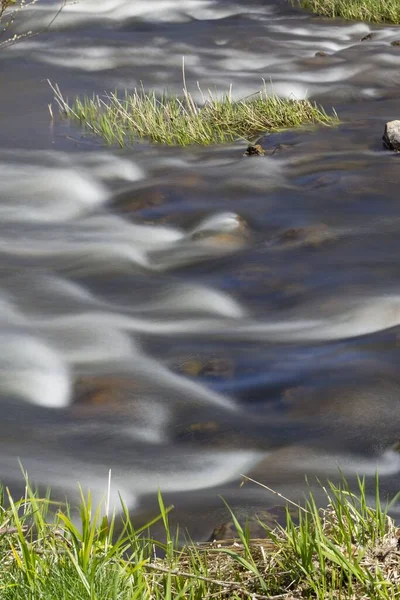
[
  {"x": 391, "y": 136},
  {"x": 279, "y": 148},
  {"x": 395, "y": 43},
  {"x": 277, "y": 143},
  {"x": 149, "y": 197},
  {"x": 213, "y": 367},
  {"x": 321, "y": 53},
  {"x": 367, "y": 37},
  {"x": 311, "y": 236},
  {"x": 256, "y": 150},
  {"x": 276, "y": 515}
]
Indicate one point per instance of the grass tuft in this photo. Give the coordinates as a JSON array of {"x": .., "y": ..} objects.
[
  {"x": 375, "y": 11},
  {"x": 181, "y": 121},
  {"x": 347, "y": 550}
]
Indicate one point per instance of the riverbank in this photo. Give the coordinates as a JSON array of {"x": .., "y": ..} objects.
[
  {"x": 346, "y": 550},
  {"x": 375, "y": 11}
]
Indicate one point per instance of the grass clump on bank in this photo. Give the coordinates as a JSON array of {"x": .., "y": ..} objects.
[
  {"x": 375, "y": 11},
  {"x": 347, "y": 550},
  {"x": 181, "y": 121}
]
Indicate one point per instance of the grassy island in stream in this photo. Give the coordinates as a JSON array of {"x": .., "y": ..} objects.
[
  {"x": 181, "y": 121},
  {"x": 346, "y": 550},
  {"x": 375, "y": 11}
]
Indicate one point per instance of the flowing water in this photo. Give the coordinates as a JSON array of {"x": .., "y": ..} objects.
[{"x": 182, "y": 316}]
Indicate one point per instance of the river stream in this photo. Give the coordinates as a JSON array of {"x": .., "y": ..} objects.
[{"x": 184, "y": 316}]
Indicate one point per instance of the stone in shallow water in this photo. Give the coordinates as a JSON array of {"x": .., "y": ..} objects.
[
  {"x": 395, "y": 43},
  {"x": 313, "y": 235},
  {"x": 149, "y": 197},
  {"x": 391, "y": 136},
  {"x": 279, "y": 148},
  {"x": 367, "y": 37},
  {"x": 256, "y": 150},
  {"x": 276, "y": 515}
]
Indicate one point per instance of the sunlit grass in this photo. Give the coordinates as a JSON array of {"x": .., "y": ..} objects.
[
  {"x": 347, "y": 550},
  {"x": 181, "y": 121},
  {"x": 376, "y": 11}
]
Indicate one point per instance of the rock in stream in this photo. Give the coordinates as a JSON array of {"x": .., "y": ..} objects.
[{"x": 391, "y": 136}]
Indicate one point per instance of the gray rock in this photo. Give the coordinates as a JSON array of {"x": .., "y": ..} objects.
[{"x": 391, "y": 136}]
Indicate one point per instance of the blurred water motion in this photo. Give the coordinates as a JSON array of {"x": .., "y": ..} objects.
[{"x": 185, "y": 316}]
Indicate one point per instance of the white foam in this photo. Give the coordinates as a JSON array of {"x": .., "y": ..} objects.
[
  {"x": 371, "y": 92},
  {"x": 154, "y": 10},
  {"x": 34, "y": 371},
  {"x": 101, "y": 58},
  {"x": 297, "y": 91},
  {"x": 219, "y": 223},
  {"x": 205, "y": 470},
  {"x": 101, "y": 166},
  {"x": 88, "y": 341},
  {"x": 152, "y": 424},
  {"x": 92, "y": 11},
  {"x": 241, "y": 61},
  {"x": 107, "y": 238},
  {"x": 99, "y": 338},
  {"x": 175, "y": 387},
  {"x": 195, "y": 298},
  {"x": 102, "y": 338},
  {"x": 31, "y": 193},
  {"x": 9, "y": 312},
  {"x": 171, "y": 472},
  {"x": 63, "y": 473},
  {"x": 88, "y": 11},
  {"x": 142, "y": 236},
  {"x": 57, "y": 288},
  {"x": 363, "y": 318},
  {"x": 328, "y": 75},
  {"x": 385, "y": 58},
  {"x": 366, "y": 317},
  {"x": 286, "y": 40},
  {"x": 349, "y": 32},
  {"x": 107, "y": 166},
  {"x": 79, "y": 257}
]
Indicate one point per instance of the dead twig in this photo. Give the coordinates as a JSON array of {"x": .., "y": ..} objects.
[
  {"x": 11, "y": 530},
  {"x": 274, "y": 492},
  {"x": 31, "y": 34}
]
